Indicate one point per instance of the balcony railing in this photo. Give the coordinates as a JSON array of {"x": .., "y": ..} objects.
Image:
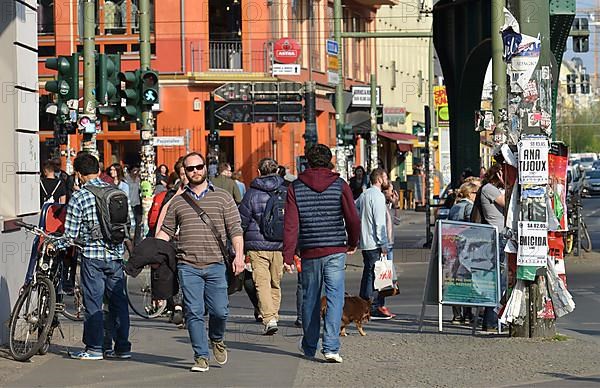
[{"x": 225, "y": 55}]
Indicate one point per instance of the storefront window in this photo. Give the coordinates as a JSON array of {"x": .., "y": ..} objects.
[
  {"x": 116, "y": 17},
  {"x": 45, "y": 17}
]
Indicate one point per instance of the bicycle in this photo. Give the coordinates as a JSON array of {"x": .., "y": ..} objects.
[
  {"x": 139, "y": 293},
  {"x": 38, "y": 297},
  {"x": 577, "y": 234}
]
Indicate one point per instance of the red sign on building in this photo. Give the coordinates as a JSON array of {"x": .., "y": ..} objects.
[{"x": 286, "y": 50}]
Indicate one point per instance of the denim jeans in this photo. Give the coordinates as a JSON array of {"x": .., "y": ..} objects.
[
  {"x": 100, "y": 278},
  {"x": 204, "y": 287},
  {"x": 370, "y": 257},
  {"x": 490, "y": 318},
  {"x": 323, "y": 272}
]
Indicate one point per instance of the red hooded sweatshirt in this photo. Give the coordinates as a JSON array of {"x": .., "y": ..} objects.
[{"x": 318, "y": 179}]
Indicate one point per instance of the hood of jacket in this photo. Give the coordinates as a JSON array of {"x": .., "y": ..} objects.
[
  {"x": 267, "y": 183},
  {"x": 318, "y": 179}
]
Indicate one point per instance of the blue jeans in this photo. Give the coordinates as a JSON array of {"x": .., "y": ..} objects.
[
  {"x": 327, "y": 272},
  {"x": 299, "y": 297},
  {"x": 204, "y": 287},
  {"x": 370, "y": 257},
  {"x": 100, "y": 278}
]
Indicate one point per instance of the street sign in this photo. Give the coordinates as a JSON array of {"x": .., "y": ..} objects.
[
  {"x": 235, "y": 112},
  {"x": 333, "y": 48},
  {"x": 168, "y": 141},
  {"x": 285, "y": 69},
  {"x": 361, "y": 96},
  {"x": 234, "y": 91},
  {"x": 333, "y": 77},
  {"x": 286, "y": 50}
]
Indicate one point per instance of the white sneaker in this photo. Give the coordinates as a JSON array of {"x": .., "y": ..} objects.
[
  {"x": 271, "y": 327},
  {"x": 333, "y": 357}
]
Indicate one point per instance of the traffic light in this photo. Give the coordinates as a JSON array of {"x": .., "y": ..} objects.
[
  {"x": 108, "y": 86},
  {"x": 571, "y": 83},
  {"x": 213, "y": 138},
  {"x": 66, "y": 85},
  {"x": 581, "y": 34},
  {"x": 130, "y": 92},
  {"x": 149, "y": 87},
  {"x": 585, "y": 83}
]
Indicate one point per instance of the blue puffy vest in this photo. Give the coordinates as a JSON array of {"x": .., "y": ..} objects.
[{"x": 321, "y": 216}]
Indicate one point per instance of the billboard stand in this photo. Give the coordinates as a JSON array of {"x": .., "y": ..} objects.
[{"x": 465, "y": 264}]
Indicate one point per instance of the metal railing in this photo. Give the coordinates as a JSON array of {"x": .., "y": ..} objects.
[{"x": 225, "y": 55}]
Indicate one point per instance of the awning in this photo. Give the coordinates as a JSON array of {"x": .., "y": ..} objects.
[{"x": 404, "y": 141}]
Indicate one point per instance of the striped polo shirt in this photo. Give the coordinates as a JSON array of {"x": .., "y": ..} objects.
[{"x": 196, "y": 243}]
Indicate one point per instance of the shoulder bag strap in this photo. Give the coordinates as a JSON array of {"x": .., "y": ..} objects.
[
  {"x": 55, "y": 188},
  {"x": 206, "y": 219}
]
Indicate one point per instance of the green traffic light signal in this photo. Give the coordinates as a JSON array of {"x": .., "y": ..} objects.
[
  {"x": 149, "y": 87},
  {"x": 131, "y": 111}
]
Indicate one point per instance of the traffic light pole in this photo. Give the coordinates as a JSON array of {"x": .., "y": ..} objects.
[
  {"x": 148, "y": 164},
  {"x": 499, "y": 96},
  {"x": 340, "y": 149},
  {"x": 88, "y": 118}
]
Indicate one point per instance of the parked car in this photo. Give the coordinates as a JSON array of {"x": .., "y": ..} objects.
[
  {"x": 596, "y": 165},
  {"x": 443, "y": 202},
  {"x": 591, "y": 183}
]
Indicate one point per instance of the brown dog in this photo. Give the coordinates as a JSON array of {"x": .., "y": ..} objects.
[{"x": 356, "y": 310}]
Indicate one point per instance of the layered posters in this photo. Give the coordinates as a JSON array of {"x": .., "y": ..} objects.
[
  {"x": 533, "y": 243},
  {"x": 469, "y": 264},
  {"x": 533, "y": 161}
]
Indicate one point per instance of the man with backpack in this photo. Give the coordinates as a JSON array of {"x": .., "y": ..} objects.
[
  {"x": 262, "y": 210},
  {"x": 99, "y": 215}
]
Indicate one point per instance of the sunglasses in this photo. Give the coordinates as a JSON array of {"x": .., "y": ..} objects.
[{"x": 198, "y": 167}]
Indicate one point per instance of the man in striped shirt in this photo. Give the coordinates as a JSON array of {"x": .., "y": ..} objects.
[{"x": 200, "y": 265}]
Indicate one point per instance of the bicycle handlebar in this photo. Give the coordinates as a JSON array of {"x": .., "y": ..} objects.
[{"x": 40, "y": 232}]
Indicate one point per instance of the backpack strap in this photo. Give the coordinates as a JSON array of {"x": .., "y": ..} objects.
[
  {"x": 95, "y": 231},
  {"x": 207, "y": 220}
]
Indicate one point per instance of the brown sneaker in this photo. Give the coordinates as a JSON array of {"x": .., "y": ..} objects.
[
  {"x": 219, "y": 351},
  {"x": 200, "y": 365}
]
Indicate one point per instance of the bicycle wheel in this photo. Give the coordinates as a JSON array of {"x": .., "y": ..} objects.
[
  {"x": 586, "y": 241},
  {"x": 73, "y": 300},
  {"x": 31, "y": 319},
  {"x": 139, "y": 295}
]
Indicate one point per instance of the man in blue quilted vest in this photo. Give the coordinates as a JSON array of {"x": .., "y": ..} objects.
[{"x": 321, "y": 223}]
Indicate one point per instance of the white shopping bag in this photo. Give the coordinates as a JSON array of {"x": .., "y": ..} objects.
[{"x": 384, "y": 273}]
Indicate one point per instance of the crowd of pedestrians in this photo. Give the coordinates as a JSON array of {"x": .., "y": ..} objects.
[{"x": 216, "y": 228}]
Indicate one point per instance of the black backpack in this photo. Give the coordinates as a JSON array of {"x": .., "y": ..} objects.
[
  {"x": 113, "y": 214},
  {"x": 271, "y": 222}
]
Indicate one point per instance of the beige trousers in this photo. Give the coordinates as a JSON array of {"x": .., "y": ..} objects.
[{"x": 267, "y": 270}]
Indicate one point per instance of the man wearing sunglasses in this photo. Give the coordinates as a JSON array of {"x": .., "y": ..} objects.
[{"x": 201, "y": 268}]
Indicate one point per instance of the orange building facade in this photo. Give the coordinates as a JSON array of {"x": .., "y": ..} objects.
[{"x": 198, "y": 46}]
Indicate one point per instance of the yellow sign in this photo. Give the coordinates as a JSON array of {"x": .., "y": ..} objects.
[
  {"x": 332, "y": 62},
  {"x": 439, "y": 96}
]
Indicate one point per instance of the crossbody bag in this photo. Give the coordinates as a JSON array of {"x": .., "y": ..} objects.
[{"x": 234, "y": 282}]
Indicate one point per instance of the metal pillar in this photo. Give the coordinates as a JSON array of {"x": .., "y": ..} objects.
[
  {"x": 89, "y": 77},
  {"x": 310, "y": 119},
  {"x": 499, "y": 96},
  {"x": 148, "y": 164},
  {"x": 374, "y": 154}
]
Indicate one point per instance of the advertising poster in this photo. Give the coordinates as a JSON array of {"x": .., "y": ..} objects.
[
  {"x": 533, "y": 161},
  {"x": 533, "y": 243},
  {"x": 468, "y": 255}
]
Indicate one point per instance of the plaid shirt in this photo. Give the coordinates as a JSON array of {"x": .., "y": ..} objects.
[{"x": 82, "y": 216}]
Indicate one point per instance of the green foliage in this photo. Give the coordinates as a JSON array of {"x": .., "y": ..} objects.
[{"x": 580, "y": 130}]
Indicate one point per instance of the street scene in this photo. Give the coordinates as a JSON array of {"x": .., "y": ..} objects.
[{"x": 299, "y": 193}]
